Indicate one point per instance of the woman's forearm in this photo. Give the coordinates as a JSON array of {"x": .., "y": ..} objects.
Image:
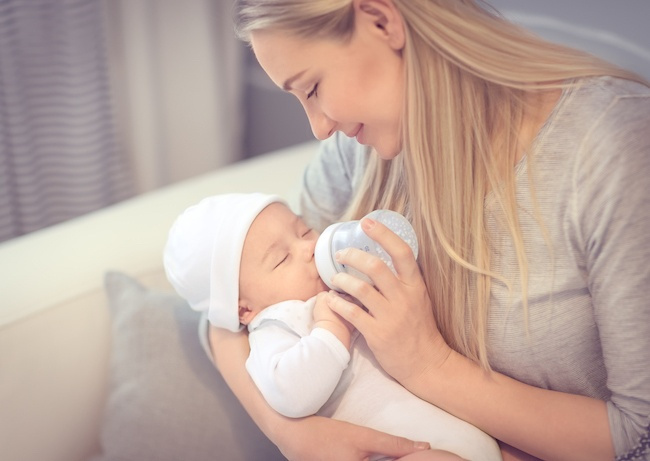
[
  {"x": 303, "y": 438},
  {"x": 547, "y": 424},
  {"x": 229, "y": 352}
]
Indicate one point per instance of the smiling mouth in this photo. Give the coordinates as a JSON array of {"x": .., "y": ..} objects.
[
  {"x": 359, "y": 134},
  {"x": 354, "y": 133}
]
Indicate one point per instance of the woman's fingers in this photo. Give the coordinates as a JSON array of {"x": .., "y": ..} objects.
[
  {"x": 369, "y": 265},
  {"x": 390, "y": 445},
  {"x": 350, "y": 311},
  {"x": 306, "y": 440},
  {"x": 400, "y": 252},
  {"x": 403, "y": 259},
  {"x": 365, "y": 263}
]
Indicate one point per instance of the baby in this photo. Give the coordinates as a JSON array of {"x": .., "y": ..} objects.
[{"x": 248, "y": 261}]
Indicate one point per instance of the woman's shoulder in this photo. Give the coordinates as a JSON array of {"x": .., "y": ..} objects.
[
  {"x": 331, "y": 179},
  {"x": 613, "y": 85},
  {"x": 595, "y": 93},
  {"x": 601, "y": 106},
  {"x": 344, "y": 151},
  {"x": 616, "y": 107},
  {"x": 607, "y": 141},
  {"x": 597, "y": 136}
]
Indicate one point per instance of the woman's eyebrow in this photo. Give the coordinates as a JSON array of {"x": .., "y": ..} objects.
[{"x": 286, "y": 86}]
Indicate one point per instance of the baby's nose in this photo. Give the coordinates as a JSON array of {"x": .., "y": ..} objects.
[{"x": 308, "y": 248}]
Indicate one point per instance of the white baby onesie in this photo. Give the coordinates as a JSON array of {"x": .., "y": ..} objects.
[{"x": 301, "y": 371}]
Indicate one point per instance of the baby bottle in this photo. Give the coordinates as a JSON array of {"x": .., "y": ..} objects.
[{"x": 349, "y": 234}]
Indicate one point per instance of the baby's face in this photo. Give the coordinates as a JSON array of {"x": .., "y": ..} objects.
[{"x": 277, "y": 261}]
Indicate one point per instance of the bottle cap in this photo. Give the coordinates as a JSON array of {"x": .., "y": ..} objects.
[{"x": 325, "y": 263}]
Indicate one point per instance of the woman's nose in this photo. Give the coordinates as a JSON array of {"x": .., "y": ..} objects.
[{"x": 321, "y": 125}]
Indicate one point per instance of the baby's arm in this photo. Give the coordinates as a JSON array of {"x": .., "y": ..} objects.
[{"x": 295, "y": 375}]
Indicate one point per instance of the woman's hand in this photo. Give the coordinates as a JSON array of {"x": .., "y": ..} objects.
[
  {"x": 399, "y": 325},
  {"x": 323, "y": 439}
]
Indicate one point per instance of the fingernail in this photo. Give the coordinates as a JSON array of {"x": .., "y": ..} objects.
[
  {"x": 422, "y": 445},
  {"x": 368, "y": 223},
  {"x": 338, "y": 255}
]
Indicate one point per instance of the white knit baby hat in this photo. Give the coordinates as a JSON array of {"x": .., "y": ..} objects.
[{"x": 203, "y": 253}]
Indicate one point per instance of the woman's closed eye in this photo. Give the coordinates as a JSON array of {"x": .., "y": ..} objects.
[{"x": 313, "y": 92}]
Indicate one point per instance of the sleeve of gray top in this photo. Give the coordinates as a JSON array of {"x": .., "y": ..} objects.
[
  {"x": 612, "y": 209},
  {"x": 331, "y": 179}
]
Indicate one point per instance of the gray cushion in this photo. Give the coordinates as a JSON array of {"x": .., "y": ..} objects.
[{"x": 166, "y": 400}]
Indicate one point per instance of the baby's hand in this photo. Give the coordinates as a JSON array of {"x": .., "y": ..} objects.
[
  {"x": 322, "y": 311},
  {"x": 324, "y": 317}
]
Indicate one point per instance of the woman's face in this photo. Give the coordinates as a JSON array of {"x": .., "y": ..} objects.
[{"x": 356, "y": 88}]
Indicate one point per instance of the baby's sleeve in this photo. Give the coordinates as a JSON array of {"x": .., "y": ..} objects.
[{"x": 296, "y": 375}]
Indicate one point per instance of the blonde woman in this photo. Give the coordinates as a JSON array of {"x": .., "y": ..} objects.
[{"x": 522, "y": 166}]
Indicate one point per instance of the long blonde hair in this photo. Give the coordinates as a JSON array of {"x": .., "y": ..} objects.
[{"x": 468, "y": 73}]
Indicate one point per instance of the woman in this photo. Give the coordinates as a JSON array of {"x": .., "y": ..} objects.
[{"x": 522, "y": 167}]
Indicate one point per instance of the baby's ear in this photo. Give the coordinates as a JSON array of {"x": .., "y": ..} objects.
[{"x": 245, "y": 315}]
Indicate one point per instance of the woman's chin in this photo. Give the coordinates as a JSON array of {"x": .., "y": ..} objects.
[{"x": 387, "y": 152}]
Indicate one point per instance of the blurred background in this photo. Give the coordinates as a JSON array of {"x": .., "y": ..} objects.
[{"x": 101, "y": 100}]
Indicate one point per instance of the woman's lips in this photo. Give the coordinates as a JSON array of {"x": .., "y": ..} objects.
[
  {"x": 359, "y": 135},
  {"x": 356, "y": 133}
]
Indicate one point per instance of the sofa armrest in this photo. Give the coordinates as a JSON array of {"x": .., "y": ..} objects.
[{"x": 49, "y": 266}]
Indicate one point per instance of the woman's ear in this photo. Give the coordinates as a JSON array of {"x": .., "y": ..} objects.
[
  {"x": 384, "y": 17},
  {"x": 245, "y": 314}
]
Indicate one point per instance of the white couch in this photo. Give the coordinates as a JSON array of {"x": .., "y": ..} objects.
[{"x": 55, "y": 325}]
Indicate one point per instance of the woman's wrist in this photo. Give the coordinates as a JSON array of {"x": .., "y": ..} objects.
[{"x": 432, "y": 360}]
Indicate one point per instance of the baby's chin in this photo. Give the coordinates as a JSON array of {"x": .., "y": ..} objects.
[{"x": 323, "y": 286}]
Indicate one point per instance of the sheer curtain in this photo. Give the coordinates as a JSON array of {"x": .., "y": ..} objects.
[
  {"x": 103, "y": 99},
  {"x": 177, "y": 74},
  {"x": 58, "y": 151}
]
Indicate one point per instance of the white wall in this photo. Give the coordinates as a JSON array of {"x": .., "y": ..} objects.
[
  {"x": 616, "y": 30},
  {"x": 273, "y": 118}
]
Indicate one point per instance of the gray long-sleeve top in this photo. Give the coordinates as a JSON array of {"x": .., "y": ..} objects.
[{"x": 588, "y": 326}]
